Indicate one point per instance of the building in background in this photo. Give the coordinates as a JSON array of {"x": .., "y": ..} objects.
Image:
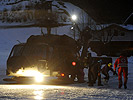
[{"x": 112, "y": 40}]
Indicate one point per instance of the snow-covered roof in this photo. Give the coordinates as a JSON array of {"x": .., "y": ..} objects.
[
  {"x": 128, "y": 27},
  {"x": 103, "y": 26}
]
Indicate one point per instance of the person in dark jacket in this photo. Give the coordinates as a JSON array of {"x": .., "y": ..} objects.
[
  {"x": 99, "y": 63},
  {"x": 93, "y": 71},
  {"x": 80, "y": 71},
  {"x": 92, "y": 74},
  {"x": 105, "y": 71}
]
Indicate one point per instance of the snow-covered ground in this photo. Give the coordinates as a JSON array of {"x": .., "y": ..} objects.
[
  {"x": 8, "y": 38},
  {"x": 69, "y": 92}
]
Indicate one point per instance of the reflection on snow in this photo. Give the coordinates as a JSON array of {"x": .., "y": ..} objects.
[
  {"x": 34, "y": 87},
  {"x": 73, "y": 92},
  {"x": 38, "y": 90},
  {"x": 38, "y": 95}
]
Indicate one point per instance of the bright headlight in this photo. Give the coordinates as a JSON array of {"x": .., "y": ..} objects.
[
  {"x": 39, "y": 78},
  {"x": 33, "y": 73}
]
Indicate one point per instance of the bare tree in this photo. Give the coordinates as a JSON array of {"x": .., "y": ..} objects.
[
  {"x": 102, "y": 35},
  {"x": 37, "y": 14}
]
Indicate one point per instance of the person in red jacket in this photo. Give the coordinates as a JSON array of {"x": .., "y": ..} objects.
[{"x": 122, "y": 64}]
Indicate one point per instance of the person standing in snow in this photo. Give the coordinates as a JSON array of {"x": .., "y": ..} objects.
[
  {"x": 122, "y": 64},
  {"x": 105, "y": 71},
  {"x": 99, "y": 72},
  {"x": 92, "y": 75},
  {"x": 94, "y": 68},
  {"x": 80, "y": 71}
]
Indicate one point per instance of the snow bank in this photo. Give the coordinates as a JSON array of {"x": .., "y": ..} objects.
[{"x": 130, "y": 59}]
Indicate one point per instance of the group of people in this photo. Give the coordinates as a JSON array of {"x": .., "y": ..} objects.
[{"x": 95, "y": 70}]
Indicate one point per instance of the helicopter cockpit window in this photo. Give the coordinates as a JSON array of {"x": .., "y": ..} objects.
[{"x": 17, "y": 50}]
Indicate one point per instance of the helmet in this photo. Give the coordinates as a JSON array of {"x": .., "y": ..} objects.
[{"x": 109, "y": 64}]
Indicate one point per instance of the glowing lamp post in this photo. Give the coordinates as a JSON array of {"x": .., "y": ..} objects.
[{"x": 74, "y": 18}]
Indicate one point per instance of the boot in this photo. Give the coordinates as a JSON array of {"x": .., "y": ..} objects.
[
  {"x": 99, "y": 84},
  {"x": 120, "y": 84},
  {"x": 125, "y": 86},
  {"x": 125, "y": 83},
  {"x": 90, "y": 84}
]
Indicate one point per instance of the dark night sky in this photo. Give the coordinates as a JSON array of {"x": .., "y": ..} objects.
[{"x": 106, "y": 11}]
